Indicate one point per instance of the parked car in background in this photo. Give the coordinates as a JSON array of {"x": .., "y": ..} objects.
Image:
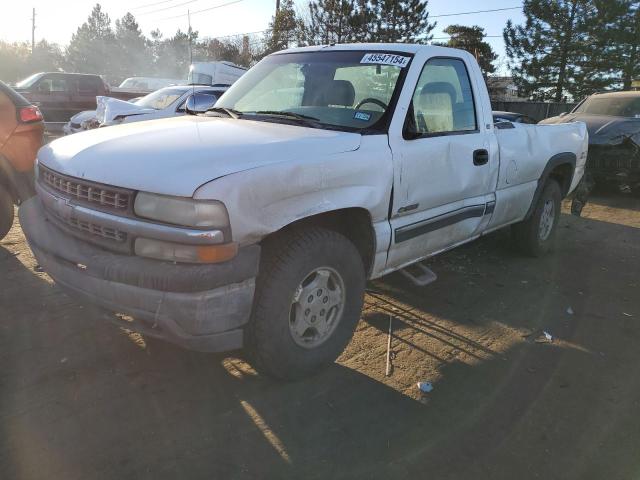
[
  {"x": 61, "y": 95},
  {"x": 148, "y": 84},
  {"x": 164, "y": 103},
  {"x": 258, "y": 222},
  {"x": 613, "y": 121},
  {"x": 513, "y": 117},
  {"x": 21, "y": 130}
]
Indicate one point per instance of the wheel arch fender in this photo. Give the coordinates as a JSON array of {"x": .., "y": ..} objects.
[
  {"x": 561, "y": 167},
  {"x": 265, "y": 201}
]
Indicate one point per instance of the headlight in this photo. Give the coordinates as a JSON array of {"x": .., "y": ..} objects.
[
  {"x": 173, "y": 252},
  {"x": 181, "y": 211}
]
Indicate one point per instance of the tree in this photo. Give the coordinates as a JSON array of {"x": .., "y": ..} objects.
[
  {"x": 93, "y": 48},
  {"x": 405, "y": 21},
  {"x": 235, "y": 50},
  {"x": 14, "y": 58},
  {"x": 471, "y": 39},
  {"x": 134, "y": 52},
  {"x": 329, "y": 21},
  {"x": 616, "y": 35},
  {"x": 284, "y": 28},
  {"x": 339, "y": 21},
  {"x": 546, "y": 53},
  {"x": 172, "y": 54}
]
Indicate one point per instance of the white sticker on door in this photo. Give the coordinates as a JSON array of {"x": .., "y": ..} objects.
[{"x": 386, "y": 59}]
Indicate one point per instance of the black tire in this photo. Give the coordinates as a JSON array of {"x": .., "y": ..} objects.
[
  {"x": 6, "y": 212},
  {"x": 287, "y": 261},
  {"x": 527, "y": 235}
]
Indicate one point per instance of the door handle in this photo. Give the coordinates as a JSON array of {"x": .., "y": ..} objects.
[{"x": 480, "y": 157}]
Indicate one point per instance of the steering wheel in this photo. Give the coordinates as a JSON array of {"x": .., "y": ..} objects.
[{"x": 375, "y": 101}]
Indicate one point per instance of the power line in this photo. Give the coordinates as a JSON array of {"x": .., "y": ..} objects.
[
  {"x": 167, "y": 8},
  {"x": 151, "y": 4},
  {"x": 204, "y": 10},
  {"x": 477, "y": 11}
]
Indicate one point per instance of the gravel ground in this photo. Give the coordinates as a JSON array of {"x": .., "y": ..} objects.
[{"x": 82, "y": 399}]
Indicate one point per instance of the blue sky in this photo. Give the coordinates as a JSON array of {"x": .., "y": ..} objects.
[{"x": 57, "y": 24}]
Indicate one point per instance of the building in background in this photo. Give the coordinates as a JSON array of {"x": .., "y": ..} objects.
[{"x": 502, "y": 89}]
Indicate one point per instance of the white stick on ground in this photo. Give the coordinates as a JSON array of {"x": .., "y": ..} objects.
[{"x": 388, "y": 371}]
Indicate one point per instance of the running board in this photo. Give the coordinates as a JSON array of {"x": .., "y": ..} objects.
[{"x": 419, "y": 274}]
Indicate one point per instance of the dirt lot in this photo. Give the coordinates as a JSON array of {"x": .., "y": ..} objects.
[{"x": 81, "y": 399}]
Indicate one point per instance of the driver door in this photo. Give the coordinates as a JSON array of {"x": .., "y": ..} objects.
[{"x": 444, "y": 165}]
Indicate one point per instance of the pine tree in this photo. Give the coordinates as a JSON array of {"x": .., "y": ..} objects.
[
  {"x": 133, "y": 47},
  {"x": 404, "y": 21},
  {"x": 546, "y": 53},
  {"x": 329, "y": 21},
  {"x": 284, "y": 28},
  {"x": 172, "y": 54},
  {"x": 471, "y": 39},
  {"x": 92, "y": 47},
  {"x": 380, "y": 21},
  {"x": 616, "y": 35}
]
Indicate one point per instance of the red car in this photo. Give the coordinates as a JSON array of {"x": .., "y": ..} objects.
[{"x": 21, "y": 135}]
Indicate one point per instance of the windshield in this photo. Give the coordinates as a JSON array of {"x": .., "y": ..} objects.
[
  {"x": 27, "y": 82},
  {"x": 128, "y": 83},
  {"x": 349, "y": 90},
  {"x": 623, "y": 106},
  {"x": 160, "y": 99}
]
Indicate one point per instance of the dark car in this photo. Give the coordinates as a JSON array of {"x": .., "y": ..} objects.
[
  {"x": 61, "y": 95},
  {"x": 21, "y": 130},
  {"x": 513, "y": 117},
  {"x": 613, "y": 121}
]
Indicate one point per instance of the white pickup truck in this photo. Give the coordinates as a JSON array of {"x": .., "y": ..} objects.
[{"x": 257, "y": 223}]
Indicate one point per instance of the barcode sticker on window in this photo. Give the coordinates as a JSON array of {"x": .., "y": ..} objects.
[{"x": 386, "y": 59}]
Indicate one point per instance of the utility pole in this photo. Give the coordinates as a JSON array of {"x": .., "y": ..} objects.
[
  {"x": 190, "y": 47},
  {"x": 277, "y": 6},
  {"x": 33, "y": 31}
]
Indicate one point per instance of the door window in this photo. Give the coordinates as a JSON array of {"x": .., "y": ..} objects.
[
  {"x": 52, "y": 85},
  {"x": 87, "y": 86},
  {"x": 442, "y": 101}
]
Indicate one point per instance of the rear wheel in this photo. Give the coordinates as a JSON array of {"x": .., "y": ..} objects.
[
  {"x": 6, "y": 212},
  {"x": 308, "y": 302},
  {"x": 536, "y": 235}
]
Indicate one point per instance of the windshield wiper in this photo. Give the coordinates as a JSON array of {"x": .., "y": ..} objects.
[
  {"x": 235, "y": 114},
  {"x": 306, "y": 119}
]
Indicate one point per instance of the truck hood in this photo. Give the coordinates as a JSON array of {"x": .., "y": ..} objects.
[
  {"x": 175, "y": 156},
  {"x": 603, "y": 129}
]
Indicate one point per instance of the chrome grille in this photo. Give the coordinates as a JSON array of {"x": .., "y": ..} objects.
[
  {"x": 107, "y": 197},
  {"x": 93, "y": 229},
  {"x": 104, "y": 232}
]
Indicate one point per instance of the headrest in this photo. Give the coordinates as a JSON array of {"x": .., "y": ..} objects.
[
  {"x": 340, "y": 92},
  {"x": 439, "y": 87}
]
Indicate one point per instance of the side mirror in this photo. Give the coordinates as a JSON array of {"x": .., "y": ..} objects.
[{"x": 199, "y": 103}]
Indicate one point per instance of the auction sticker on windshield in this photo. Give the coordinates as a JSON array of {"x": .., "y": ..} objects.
[{"x": 386, "y": 59}]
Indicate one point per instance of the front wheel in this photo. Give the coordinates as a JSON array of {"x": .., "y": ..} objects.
[
  {"x": 309, "y": 297},
  {"x": 536, "y": 235},
  {"x": 6, "y": 212}
]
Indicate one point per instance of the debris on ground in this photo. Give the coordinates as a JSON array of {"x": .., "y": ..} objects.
[
  {"x": 538, "y": 336},
  {"x": 425, "y": 387},
  {"x": 570, "y": 311},
  {"x": 38, "y": 269}
]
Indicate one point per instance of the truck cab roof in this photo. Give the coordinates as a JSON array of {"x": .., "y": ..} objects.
[{"x": 410, "y": 48}]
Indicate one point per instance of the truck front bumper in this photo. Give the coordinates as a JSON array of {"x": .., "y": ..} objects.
[{"x": 199, "y": 307}]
